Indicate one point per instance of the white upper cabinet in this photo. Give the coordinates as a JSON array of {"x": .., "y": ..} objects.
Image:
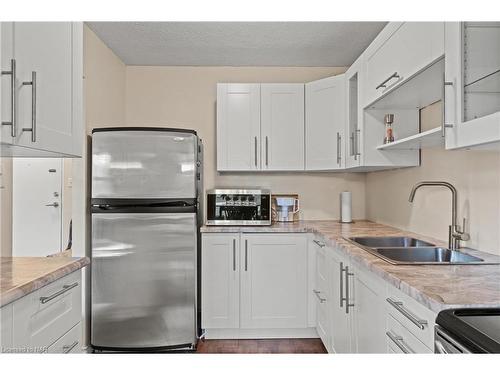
[
  {"x": 238, "y": 127},
  {"x": 48, "y": 87},
  {"x": 282, "y": 126},
  {"x": 400, "y": 51},
  {"x": 354, "y": 114},
  {"x": 472, "y": 90},
  {"x": 325, "y": 123}
]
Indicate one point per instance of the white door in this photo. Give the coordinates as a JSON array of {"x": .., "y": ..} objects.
[
  {"x": 369, "y": 313},
  {"x": 238, "y": 127},
  {"x": 220, "y": 280},
  {"x": 49, "y": 50},
  {"x": 273, "y": 281},
  {"x": 282, "y": 126},
  {"x": 36, "y": 207},
  {"x": 341, "y": 319},
  {"x": 324, "y": 126},
  {"x": 322, "y": 292}
]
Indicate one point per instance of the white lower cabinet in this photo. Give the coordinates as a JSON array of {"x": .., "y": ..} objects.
[
  {"x": 47, "y": 320},
  {"x": 353, "y": 314},
  {"x": 220, "y": 280},
  {"x": 255, "y": 285}
]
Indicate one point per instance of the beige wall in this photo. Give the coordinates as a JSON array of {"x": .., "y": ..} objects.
[
  {"x": 475, "y": 174},
  {"x": 185, "y": 97}
]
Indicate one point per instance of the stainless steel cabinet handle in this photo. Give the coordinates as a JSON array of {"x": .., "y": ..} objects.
[
  {"x": 246, "y": 255},
  {"x": 320, "y": 244},
  {"x": 339, "y": 148},
  {"x": 57, "y": 294},
  {"x": 234, "y": 254},
  {"x": 255, "y": 150},
  {"x": 55, "y": 204},
  {"x": 267, "y": 151},
  {"x": 347, "y": 303},
  {"x": 420, "y": 323},
  {"x": 13, "y": 97},
  {"x": 444, "y": 124},
  {"x": 383, "y": 84},
  {"x": 68, "y": 348},
  {"x": 317, "y": 292},
  {"x": 33, "y": 106},
  {"x": 400, "y": 343},
  {"x": 341, "y": 284},
  {"x": 356, "y": 144}
]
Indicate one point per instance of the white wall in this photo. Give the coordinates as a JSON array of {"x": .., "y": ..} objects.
[
  {"x": 185, "y": 97},
  {"x": 475, "y": 174}
]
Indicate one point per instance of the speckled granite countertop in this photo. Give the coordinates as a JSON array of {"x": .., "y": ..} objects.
[
  {"x": 437, "y": 287},
  {"x": 20, "y": 276}
]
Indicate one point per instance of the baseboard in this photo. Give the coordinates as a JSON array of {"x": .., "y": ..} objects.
[{"x": 271, "y": 333}]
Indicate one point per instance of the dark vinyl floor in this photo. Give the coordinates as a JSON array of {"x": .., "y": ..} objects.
[{"x": 285, "y": 346}]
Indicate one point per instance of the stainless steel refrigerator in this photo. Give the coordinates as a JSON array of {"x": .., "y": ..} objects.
[{"x": 145, "y": 220}]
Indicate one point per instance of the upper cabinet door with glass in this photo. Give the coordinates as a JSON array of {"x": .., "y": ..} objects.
[{"x": 472, "y": 84}]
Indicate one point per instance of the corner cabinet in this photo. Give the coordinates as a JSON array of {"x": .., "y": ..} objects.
[
  {"x": 472, "y": 85},
  {"x": 42, "y": 88},
  {"x": 325, "y": 129},
  {"x": 260, "y": 127},
  {"x": 255, "y": 285}
]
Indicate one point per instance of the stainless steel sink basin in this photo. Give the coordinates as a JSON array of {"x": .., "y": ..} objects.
[
  {"x": 408, "y": 250},
  {"x": 375, "y": 242},
  {"x": 424, "y": 255}
]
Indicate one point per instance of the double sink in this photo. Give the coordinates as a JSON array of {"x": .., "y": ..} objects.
[{"x": 408, "y": 250}]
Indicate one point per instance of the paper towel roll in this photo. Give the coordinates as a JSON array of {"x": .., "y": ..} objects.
[{"x": 346, "y": 207}]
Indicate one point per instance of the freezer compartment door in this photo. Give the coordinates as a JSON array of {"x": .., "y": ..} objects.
[
  {"x": 143, "y": 164},
  {"x": 143, "y": 280}
]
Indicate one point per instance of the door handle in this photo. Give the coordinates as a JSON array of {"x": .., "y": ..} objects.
[
  {"x": 68, "y": 348},
  {"x": 255, "y": 150},
  {"x": 12, "y": 73},
  {"x": 32, "y": 83},
  {"x": 246, "y": 255},
  {"x": 55, "y": 204},
  {"x": 444, "y": 124},
  {"x": 383, "y": 84},
  {"x": 234, "y": 254},
  {"x": 339, "y": 148},
  {"x": 341, "y": 284},
  {"x": 400, "y": 343},
  {"x": 347, "y": 302},
  {"x": 321, "y": 299},
  {"x": 267, "y": 151}
]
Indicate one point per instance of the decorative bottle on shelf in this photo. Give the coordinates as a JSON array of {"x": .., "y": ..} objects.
[{"x": 389, "y": 135}]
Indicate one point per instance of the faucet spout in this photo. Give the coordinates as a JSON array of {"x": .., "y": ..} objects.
[{"x": 455, "y": 233}]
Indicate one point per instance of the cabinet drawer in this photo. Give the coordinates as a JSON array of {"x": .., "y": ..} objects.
[
  {"x": 45, "y": 315},
  {"x": 416, "y": 318},
  {"x": 400, "y": 340},
  {"x": 70, "y": 342}
]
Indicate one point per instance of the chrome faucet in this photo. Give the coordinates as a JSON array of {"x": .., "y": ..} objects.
[{"x": 455, "y": 233}]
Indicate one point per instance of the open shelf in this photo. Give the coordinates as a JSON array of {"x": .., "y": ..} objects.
[
  {"x": 418, "y": 91},
  {"x": 428, "y": 139}
]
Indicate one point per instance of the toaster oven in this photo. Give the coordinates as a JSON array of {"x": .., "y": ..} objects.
[{"x": 238, "y": 207}]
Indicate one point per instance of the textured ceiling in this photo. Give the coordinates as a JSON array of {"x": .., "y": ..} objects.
[{"x": 237, "y": 43}]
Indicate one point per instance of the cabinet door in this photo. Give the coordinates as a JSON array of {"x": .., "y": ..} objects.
[
  {"x": 354, "y": 115},
  {"x": 238, "y": 127},
  {"x": 325, "y": 111},
  {"x": 7, "y": 112},
  {"x": 341, "y": 318},
  {"x": 220, "y": 280},
  {"x": 50, "y": 104},
  {"x": 273, "y": 281},
  {"x": 322, "y": 300},
  {"x": 369, "y": 313},
  {"x": 409, "y": 47},
  {"x": 472, "y": 93},
  {"x": 282, "y": 116}
]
